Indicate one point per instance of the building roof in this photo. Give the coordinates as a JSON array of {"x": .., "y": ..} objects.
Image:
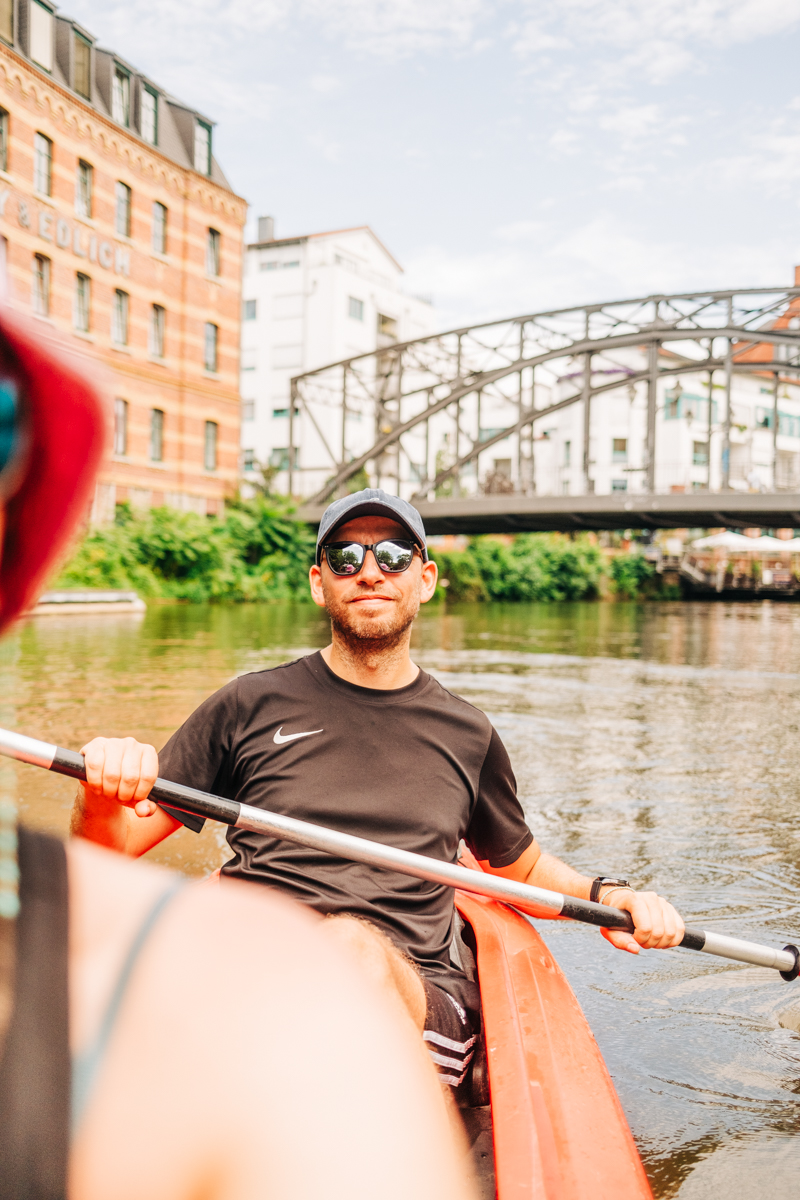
[
  {"x": 176, "y": 120},
  {"x": 307, "y": 237}
]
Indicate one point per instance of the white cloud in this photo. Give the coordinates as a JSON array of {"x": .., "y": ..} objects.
[{"x": 324, "y": 84}]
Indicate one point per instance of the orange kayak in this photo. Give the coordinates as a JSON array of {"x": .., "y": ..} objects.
[{"x": 559, "y": 1131}]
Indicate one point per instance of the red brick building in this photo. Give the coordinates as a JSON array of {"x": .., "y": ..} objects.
[{"x": 123, "y": 238}]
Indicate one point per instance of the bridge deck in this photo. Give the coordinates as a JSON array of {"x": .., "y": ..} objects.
[{"x": 623, "y": 510}]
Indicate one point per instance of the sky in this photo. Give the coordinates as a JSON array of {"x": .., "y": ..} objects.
[{"x": 514, "y": 155}]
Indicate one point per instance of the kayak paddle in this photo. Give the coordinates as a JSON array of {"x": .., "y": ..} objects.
[{"x": 537, "y": 902}]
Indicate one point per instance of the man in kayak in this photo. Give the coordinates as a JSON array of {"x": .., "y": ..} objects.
[
  {"x": 145, "y": 1051},
  {"x": 359, "y": 738}
]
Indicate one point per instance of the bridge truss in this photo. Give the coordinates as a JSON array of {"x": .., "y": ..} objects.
[{"x": 413, "y": 416}]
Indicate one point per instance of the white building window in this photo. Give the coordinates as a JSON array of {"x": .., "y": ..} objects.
[
  {"x": 250, "y": 310},
  {"x": 120, "y": 427},
  {"x": 41, "y": 285},
  {"x": 156, "y": 435},
  {"x": 157, "y": 324},
  {"x": 355, "y": 308},
  {"x": 149, "y": 116},
  {"x": 213, "y": 244},
  {"x": 210, "y": 341},
  {"x": 202, "y": 148},
  {"x": 119, "y": 318},
  {"x": 248, "y": 410},
  {"x": 387, "y": 327},
  {"x": 619, "y": 485},
  {"x": 84, "y": 178},
  {"x": 249, "y": 460},
  {"x": 83, "y": 302},
  {"x": 42, "y": 164},
  {"x": 567, "y": 453},
  {"x": 121, "y": 97},
  {"x": 41, "y": 35},
  {"x": 159, "y": 239},
  {"x": 122, "y": 210},
  {"x": 210, "y": 446},
  {"x": 619, "y": 449}
]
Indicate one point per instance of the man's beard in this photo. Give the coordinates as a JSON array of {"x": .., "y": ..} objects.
[{"x": 365, "y": 634}]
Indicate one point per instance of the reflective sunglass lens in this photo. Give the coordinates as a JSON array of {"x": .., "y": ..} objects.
[
  {"x": 394, "y": 556},
  {"x": 345, "y": 559}
]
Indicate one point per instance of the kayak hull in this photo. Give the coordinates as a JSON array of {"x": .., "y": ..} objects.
[{"x": 559, "y": 1129}]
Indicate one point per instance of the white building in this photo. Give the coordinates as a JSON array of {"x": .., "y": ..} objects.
[
  {"x": 309, "y": 301},
  {"x": 689, "y": 439}
]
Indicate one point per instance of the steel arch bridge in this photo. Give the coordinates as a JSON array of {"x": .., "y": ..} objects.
[{"x": 570, "y": 356}]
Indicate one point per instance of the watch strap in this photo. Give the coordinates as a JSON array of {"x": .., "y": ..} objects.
[{"x": 604, "y": 881}]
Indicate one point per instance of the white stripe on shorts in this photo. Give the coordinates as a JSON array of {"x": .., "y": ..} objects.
[{"x": 448, "y": 1043}]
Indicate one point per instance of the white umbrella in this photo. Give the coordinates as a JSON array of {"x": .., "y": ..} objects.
[
  {"x": 726, "y": 541},
  {"x": 772, "y": 544}
]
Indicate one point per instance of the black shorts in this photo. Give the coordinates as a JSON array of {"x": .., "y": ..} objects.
[{"x": 451, "y": 1034}]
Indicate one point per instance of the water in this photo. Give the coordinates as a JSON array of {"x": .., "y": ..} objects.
[{"x": 657, "y": 741}]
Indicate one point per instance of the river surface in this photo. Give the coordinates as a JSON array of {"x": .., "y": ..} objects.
[{"x": 658, "y": 741}]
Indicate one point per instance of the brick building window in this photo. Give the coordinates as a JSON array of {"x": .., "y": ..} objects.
[
  {"x": 119, "y": 318},
  {"x": 83, "y": 302},
  {"x": 4, "y": 131},
  {"x": 122, "y": 209},
  {"x": 156, "y": 435},
  {"x": 202, "y": 148},
  {"x": 7, "y": 20},
  {"x": 40, "y": 35},
  {"x": 84, "y": 180},
  {"x": 213, "y": 252},
  {"x": 150, "y": 116},
  {"x": 159, "y": 233},
  {"x": 121, "y": 97},
  {"x": 42, "y": 164},
  {"x": 41, "y": 285},
  {"x": 157, "y": 323},
  {"x": 210, "y": 446},
  {"x": 210, "y": 346},
  {"x": 120, "y": 427},
  {"x": 83, "y": 66}
]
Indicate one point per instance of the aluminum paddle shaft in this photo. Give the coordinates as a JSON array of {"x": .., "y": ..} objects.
[{"x": 537, "y": 902}]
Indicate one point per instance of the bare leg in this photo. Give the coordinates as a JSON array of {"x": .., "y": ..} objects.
[
  {"x": 399, "y": 980},
  {"x": 396, "y": 976}
]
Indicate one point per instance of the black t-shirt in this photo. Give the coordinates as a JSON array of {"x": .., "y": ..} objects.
[{"x": 414, "y": 767}]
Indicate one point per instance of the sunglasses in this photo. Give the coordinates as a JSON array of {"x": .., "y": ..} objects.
[{"x": 392, "y": 556}]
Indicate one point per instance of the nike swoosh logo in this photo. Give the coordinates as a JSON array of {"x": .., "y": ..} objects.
[{"x": 290, "y": 737}]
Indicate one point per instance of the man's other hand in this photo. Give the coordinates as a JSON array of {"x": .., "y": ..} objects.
[
  {"x": 657, "y": 924},
  {"x": 121, "y": 771}
]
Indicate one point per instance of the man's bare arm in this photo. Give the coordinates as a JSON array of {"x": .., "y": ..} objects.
[
  {"x": 112, "y": 808},
  {"x": 657, "y": 924}
]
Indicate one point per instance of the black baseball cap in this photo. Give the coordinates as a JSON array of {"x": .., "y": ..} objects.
[{"x": 372, "y": 502}]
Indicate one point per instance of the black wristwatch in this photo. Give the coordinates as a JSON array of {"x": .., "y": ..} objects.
[{"x": 604, "y": 881}]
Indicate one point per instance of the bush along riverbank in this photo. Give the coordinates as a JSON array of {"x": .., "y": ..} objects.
[
  {"x": 257, "y": 551},
  {"x": 545, "y": 567}
]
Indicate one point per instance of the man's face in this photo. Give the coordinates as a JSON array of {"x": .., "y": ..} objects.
[{"x": 372, "y": 606}]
